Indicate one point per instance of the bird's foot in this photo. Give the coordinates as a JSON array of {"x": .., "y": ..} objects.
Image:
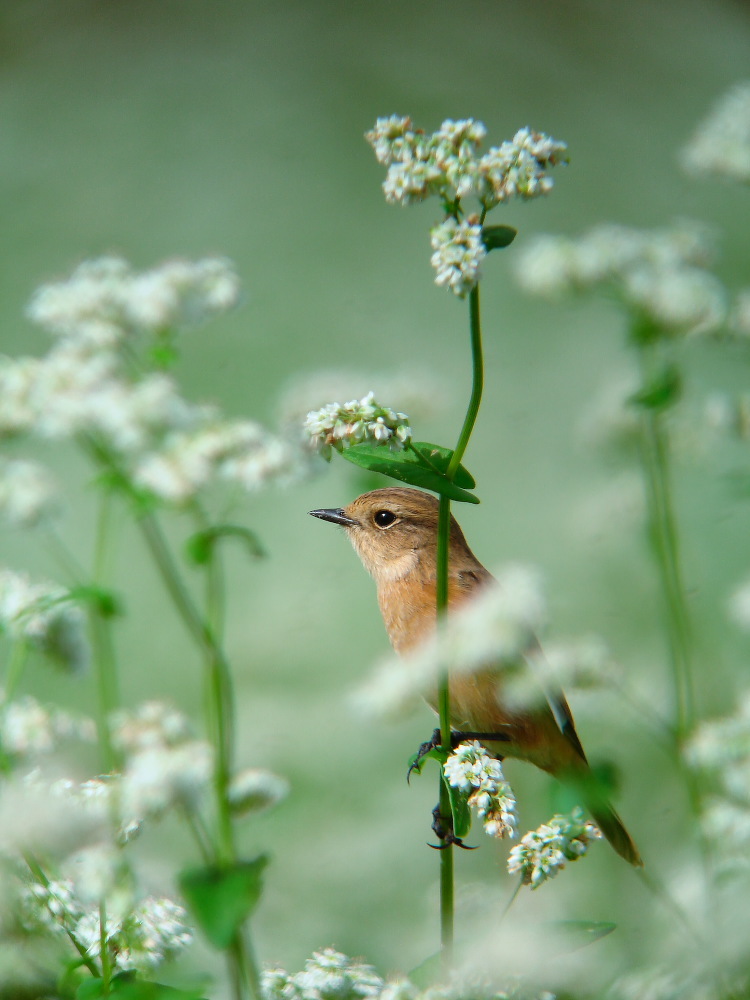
[
  {"x": 457, "y": 738},
  {"x": 443, "y": 830}
]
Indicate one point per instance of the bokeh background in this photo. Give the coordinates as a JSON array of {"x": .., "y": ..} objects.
[{"x": 155, "y": 128}]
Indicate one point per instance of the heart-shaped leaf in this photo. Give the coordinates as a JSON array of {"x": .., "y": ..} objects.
[
  {"x": 407, "y": 467},
  {"x": 222, "y": 898},
  {"x": 497, "y": 237}
]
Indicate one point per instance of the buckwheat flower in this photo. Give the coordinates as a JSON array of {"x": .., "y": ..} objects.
[
  {"x": 328, "y": 975},
  {"x": 681, "y": 300},
  {"x": 722, "y": 742},
  {"x": 155, "y": 931},
  {"x": 181, "y": 293},
  {"x": 161, "y": 778},
  {"x": 27, "y": 727},
  {"x": 518, "y": 168},
  {"x": 458, "y": 255},
  {"x": 94, "y": 870},
  {"x": 44, "y": 616},
  {"x": 87, "y": 305},
  {"x": 580, "y": 664},
  {"x": 544, "y": 852},
  {"x": 338, "y": 426},
  {"x": 727, "y": 824},
  {"x": 498, "y": 626},
  {"x": 255, "y": 789},
  {"x": 51, "y": 908},
  {"x": 721, "y": 143},
  {"x": 472, "y": 770},
  {"x": 153, "y": 724},
  {"x": 17, "y": 380},
  {"x": 391, "y": 138},
  {"x": 28, "y": 492},
  {"x": 454, "y": 150}
]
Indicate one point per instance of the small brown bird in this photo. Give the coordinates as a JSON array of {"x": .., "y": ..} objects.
[{"x": 394, "y": 532}]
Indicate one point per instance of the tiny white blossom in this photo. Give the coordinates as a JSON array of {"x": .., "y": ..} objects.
[
  {"x": 255, "y": 789},
  {"x": 518, "y": 168},
  {"x": 28, "y": 492},
  {"x": 544, "y": 852},
  {"x": 27, "y": 727},
  {"x": 472, "y": 770},
  {"x": 721, "y": 143},
  {"x": 338, "y": 426},
  {"x": 458, "y": 255},
  {"x": 328, "y": 975},
  {"x": 44, "y": 616},
  {"x": 151, "y": 724}
]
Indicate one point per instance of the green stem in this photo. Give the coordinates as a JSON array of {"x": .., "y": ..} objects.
[
  {"x": 105, "y": 663},
  {"x": 447, "y": 907},
  {"x": 18, "y": 655},
  {"x": 38, "y": 873},
  {"x": 104, "y": 948},
  {"x": 243, "y": 971}
]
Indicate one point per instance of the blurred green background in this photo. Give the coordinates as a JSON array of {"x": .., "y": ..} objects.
[{"x": 156, "y": 128}]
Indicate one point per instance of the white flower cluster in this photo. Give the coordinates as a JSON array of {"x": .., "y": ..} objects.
[
  {"x": 104, "y": 299},
  {"x": 44, "y": 616},
  {"x": 28, "y": 492},
  {"x": 458, "y": 256},
  {"x": 140, "y": 937},
  {"x": 496, "y": 626},
  {"x": 328, "y": 975},
  {"x": 27, "y": 727},
  {"x": 721, "y": 748},
  {"x": 563, "y": 664},
  {"x": 84, "y": 387},
  {"x": 164, "y": 765},
  {"x": 721, "y": 144},
  {"x": 447, "y": 163},
  {"x": 473, "y": 771},
  {"x": 659, "y": 274},
  {"x": 544, "y": 852},
  {"x": 338, "y": 426}
]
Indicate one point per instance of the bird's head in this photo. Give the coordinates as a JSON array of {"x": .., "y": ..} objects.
[{"x": 394, "y": 531}]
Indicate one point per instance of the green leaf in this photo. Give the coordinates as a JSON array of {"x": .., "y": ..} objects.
[
  {"x": 439, "y": 457},
  {"x": 661, "y": 392},
  {"x": 104, "y": 602},
  {"x": 575, "y": 934},
  {"x": 460, "y": 810},
  {"x": 128, "y": 987},
  {"x": 407, "y": 467},
  {"x": 497, "y": 237},
  {"x": 437, "y": 753},
  {"x": 200, "y": 546},
  {"x": 222, "y": 898}
]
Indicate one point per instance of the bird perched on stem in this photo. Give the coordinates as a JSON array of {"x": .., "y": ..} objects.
[{"x": 394, "y": 532}]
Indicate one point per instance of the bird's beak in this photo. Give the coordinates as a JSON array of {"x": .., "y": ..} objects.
[{"x": 337, "y": 516}]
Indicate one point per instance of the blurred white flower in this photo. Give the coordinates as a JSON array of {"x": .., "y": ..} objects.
[
  {"x": 44, "y": 616},
  {"x": 365, "y": 420},
  {"x": 721, "y": 143},
  {"x": 659, "y": 274},
  {"x": 160, "y": 778},
  {"x": 254, "y": 789},
  {"x": 472, "y": 770},
  {"x": 104, "y": 299},
  {"x": 328, "y": 975},
  {"x": 151, "y": 724},
  {"x": 544, "y": 852},
  {"x": 27, "y": 727},
  {"x": 458, "y": 255},
  {"x": 496, "y": 626},
  {"x": 28, "y": 492}
]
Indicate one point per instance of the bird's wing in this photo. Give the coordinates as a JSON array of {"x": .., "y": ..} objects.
[{"x": 564, "y": 719}]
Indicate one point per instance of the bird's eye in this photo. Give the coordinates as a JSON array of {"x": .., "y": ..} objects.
[{"x": 384, "y": 518}]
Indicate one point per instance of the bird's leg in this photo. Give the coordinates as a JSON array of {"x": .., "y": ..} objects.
[
  {"x": 442, "y": 827},
  {"x": 457, "y": 738}
]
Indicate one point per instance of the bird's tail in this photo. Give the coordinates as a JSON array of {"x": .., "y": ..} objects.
[
  {"x": 596, "y": 801},
  {"x": 614, "y": 830}
]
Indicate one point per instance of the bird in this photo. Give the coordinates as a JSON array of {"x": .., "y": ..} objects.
[{"x": 394, "y": 532}]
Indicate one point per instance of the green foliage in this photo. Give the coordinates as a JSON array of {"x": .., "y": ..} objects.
[
  {"x": 199, "y": 548},
  {"x": 127, "y": 986},
  {"x": 498, "y": 237},
  {"x": 222, "y": 898},
  {"x": 661, "y": 391},
  {"x": 419, "y": 468}
]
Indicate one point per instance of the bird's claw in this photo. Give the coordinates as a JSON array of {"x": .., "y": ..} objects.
[
  {"x": 457, "y": 738},
  {"x": 424, "y": 749},
  {"x": 443, "y": 829}
]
